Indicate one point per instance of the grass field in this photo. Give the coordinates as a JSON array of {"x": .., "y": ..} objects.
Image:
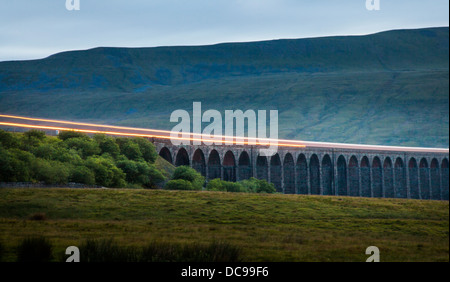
[{"x": 266, "y": 227}]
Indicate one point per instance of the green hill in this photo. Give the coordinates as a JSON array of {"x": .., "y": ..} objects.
[{"x": 389, "y": 88}]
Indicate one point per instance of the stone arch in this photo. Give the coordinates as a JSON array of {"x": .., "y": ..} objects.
[
  {"x": 314, "y": 175},
  {"x": 182, "y": 157},
  {"x": 388, "y": 176},
  {"x": 413, "y": 179},
  {"x": 214, "y": 165},
  {"x": 342, "y": 176},
  {"x": 435, "y": 180},
  {"x": 400, "y": 179},
  {"x": 289, "y": 174},
  {"x": 165, "y": 154},
  {"x": 262, "y": 168},
  {"x": 424, "y": 179},
  {"x": 275, "y": 172},
  {"x": 229, "y": 167},
  {"x": 444, "y": 177},
  {"x": 198, "y": 162},
  {"x": 302, "y": 174},
  {"x": 377, "y": 178},
  {"x": 353, "y": 174},
  {"x": 365, "y": 177},
  {"x": 327, "y": 176},
  {"x": 244, "y": 166}
]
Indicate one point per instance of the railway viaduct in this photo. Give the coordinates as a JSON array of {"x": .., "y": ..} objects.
[{"x": 388, "y": 172}]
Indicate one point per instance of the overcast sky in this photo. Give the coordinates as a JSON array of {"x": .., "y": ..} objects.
[{"x": 31, "y": 29}]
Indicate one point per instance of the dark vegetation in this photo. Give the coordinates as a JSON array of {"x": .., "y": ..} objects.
[
  {"x": 103, "y": 161},
  {"x": 107, "y": 250},
  {"x": 35, "y": 249},
  {"x": 389, "y": 88},
  {"x": 75, "y": 157}
]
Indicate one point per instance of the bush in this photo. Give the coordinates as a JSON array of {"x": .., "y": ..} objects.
[
  {"x": 189, "y": 174},
  {"x": 216, "y": 185},
  {"x": 179, "y": 184},
  {"x": 221, "y": 185},
  {"x": 234, "y": 187},
  {"x": 254, "y": 185},
  {"x": 34, "y": 249}
]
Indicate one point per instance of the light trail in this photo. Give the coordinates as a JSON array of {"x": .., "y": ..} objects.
[
  {"x": 144, "y": 135},
  {"x": 146, "y": 129},
  {"x": 206, "y": 138}
]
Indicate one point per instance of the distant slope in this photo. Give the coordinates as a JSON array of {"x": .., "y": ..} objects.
[{"x": 386, "y": 88}]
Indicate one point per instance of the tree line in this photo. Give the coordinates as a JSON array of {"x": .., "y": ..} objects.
[{"x": 101, "y": 160}]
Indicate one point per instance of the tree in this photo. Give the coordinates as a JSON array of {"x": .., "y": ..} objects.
[
  {"x": 106, "y": 173},
  {"x": 51, "y": 172},
  {"x": 85, "y": 147},
  {"x": 82, "y": 174},
  {"x": 107, "y": 145},
  {"x": 64, "y": 135},
  {"x": 147, "y": 149},
  {"x": 131, "y": 151},
  {"x": 8, "y": 140}
]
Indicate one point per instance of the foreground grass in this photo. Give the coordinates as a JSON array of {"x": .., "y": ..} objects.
[{"x": 264, "y": 227}]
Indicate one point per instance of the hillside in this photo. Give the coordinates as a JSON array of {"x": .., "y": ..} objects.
[
  {"x": 389, "y": 88},
  {"x": 267, "y": 227}
]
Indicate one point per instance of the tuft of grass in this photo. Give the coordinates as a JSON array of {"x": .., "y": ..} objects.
[
  {"x": 106, "y": 250},
  {"x": 35, "y": 249},
  {"x": 170, "y": 252}
]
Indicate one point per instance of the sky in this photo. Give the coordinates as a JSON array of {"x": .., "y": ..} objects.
[{"x": 31, "y": 29}]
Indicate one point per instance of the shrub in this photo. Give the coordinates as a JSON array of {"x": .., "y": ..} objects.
[
  {"x": 34, "y": 249},
  {"x": 221, "y": 185},
  {"x": 254, "y": 185},
  {"x": 179, "y": 184},
  {"x": 189, "y": 174},
  {"x": 234, "y": 187},
  {"x": 216, "y": 185}
]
